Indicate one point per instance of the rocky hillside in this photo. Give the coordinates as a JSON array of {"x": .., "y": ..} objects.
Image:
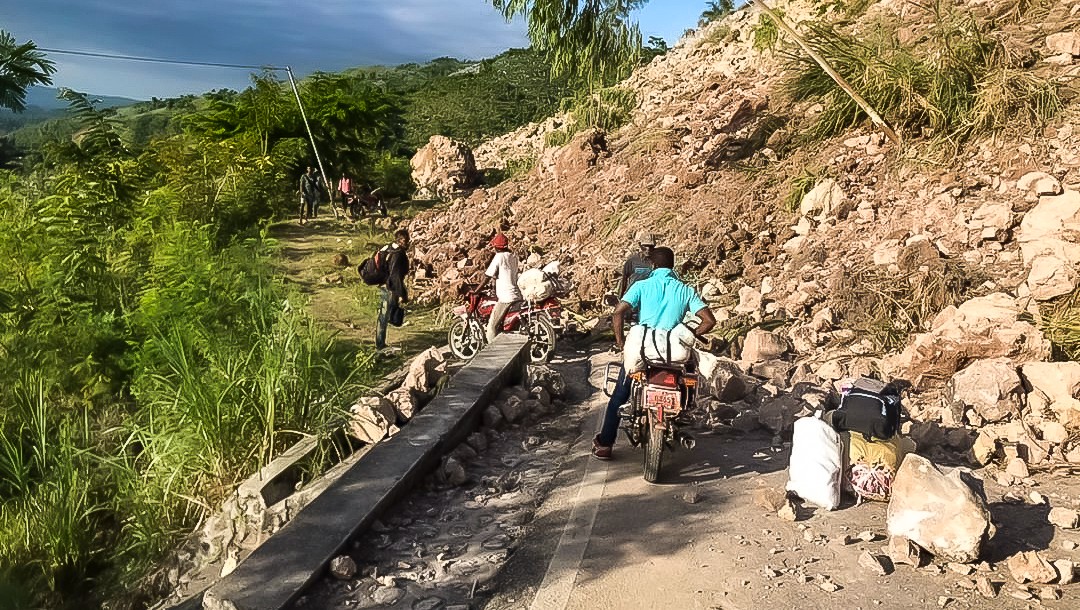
[{"x": 950, "y": 261}]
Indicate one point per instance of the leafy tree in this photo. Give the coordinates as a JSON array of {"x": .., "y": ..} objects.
[
  {"x": 21, "y": 66},
  {"x": 715, "y": 10},
  {"x": 594, "y": 41}
]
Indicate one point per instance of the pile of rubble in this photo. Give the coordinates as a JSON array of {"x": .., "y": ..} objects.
[{"x": 997, "y": 223}]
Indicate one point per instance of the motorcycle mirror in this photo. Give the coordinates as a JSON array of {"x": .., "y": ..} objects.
[{"x": 611, "y": 300}]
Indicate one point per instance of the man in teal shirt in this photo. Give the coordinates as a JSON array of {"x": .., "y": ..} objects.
[{"x": 662, "y": 301}]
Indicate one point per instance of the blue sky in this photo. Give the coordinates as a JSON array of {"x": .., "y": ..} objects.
[{"x": 326, "y": 35}]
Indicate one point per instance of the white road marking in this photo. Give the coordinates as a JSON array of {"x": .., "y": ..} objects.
[{"x": 558, "y": 583}]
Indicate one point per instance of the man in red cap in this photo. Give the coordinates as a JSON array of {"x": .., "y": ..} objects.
[{"x": 504, "y": 270}]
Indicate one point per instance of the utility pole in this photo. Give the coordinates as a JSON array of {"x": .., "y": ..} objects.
[{"x": 318, "y": 159}]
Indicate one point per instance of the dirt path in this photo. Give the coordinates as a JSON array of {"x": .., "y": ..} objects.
[
  {"x": 540, "y": 525},
  {"x": 336, "y": 295}
]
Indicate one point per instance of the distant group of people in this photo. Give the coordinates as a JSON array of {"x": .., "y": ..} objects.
[{"x": 355, "y": 201}]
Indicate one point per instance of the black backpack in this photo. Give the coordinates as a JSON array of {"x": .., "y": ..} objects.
[
  {"x": 373, "y": 271},
  {"x": 872, "y": 412}
]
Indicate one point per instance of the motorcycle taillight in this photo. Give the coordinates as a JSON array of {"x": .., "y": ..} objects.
[{"x": 664, "y": 378}]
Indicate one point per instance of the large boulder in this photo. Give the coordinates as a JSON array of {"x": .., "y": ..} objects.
[
  {"x": 1054, "y": 388},
  {"x": 425, "y": 371},
  {"x": 822, "y": 200},
  {"x": 371, "y": 419},
  {"x": 1050, "y": 247},
  {"x": 991, "y": 387},
  {"x": 939, "y": 511},
  {"x": 761, "y": 345},
  {"x": 443, "y": 167},
  {"x": 722, "y": 379},
  {"x": 779, "y": 415},
  {"x": 981, "y": 328}
]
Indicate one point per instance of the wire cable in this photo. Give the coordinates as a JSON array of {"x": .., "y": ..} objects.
[{"x": 159, "y": 60}]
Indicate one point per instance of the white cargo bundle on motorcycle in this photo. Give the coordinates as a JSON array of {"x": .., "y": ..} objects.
[
  {"x": 654, "y": 346},
  {"x": 539, "y": 284}
]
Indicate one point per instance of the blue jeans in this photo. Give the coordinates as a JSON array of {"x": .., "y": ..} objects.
[
  {"x": 619, "y": 397},
  {"x": 388, "y": 301}
]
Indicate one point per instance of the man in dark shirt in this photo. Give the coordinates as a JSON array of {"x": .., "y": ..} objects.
[
  {"x": 394, "y": 293},
  {"x": 638, "y": 266},
  {"x": 309, "y": 194}
]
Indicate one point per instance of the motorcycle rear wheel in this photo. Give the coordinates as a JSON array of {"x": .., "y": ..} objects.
[
  {"x": 654, "y": 449},
  {"x": 541, "y": 340},
  {"x": 465, "y": 339}
]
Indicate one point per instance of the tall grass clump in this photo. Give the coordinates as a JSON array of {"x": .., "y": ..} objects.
[
  {"x": 958, "y": 81},
  {"x": 1060, "y": 321},
  {"x": 607, "y": 109},
  {"x": 888, "y": 307}
]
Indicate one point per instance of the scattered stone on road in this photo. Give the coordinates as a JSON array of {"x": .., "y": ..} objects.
[{"x": 1029, "y": 566}]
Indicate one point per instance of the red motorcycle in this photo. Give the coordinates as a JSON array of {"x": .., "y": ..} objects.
[{"x": 538, "y": 320}]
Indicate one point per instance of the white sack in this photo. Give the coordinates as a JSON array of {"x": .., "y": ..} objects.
[
  {"x": 534, "y": 285},
  {"x": 816, "y": 463},
  {"x": 661, "y": 346}
]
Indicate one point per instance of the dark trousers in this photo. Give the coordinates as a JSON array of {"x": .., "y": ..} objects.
[
  {"x": 388, "y": 302},
  {"x": 619, "y": 397},
  {"x": 309, "y": 206}
]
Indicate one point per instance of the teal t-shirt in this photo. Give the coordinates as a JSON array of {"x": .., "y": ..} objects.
[{"x": 662, "y": 300}]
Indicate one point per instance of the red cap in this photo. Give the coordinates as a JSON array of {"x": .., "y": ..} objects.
[{"x": 500, "y": 241}]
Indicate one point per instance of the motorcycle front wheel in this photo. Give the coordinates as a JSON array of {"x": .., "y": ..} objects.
[
  {"x": 541, "y": 340},
  {"x": 465, "y": 339},
  {"x": 654, "y": 448}
]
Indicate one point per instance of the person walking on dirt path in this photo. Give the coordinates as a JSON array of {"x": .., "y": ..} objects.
[
  {"x": 504, "y": 270},
  {"x": 662, "y": 301},
  {"x": 309, "y": 194},
  {"x": 345, "y": 187},
  {"x": 638, "y": 266},
  {"x": 393, "y": 294}
]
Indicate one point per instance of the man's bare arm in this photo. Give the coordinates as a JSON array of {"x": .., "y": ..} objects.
[
  {"x": 708, "y": 322},
  {"x": 621, "y": 310}
]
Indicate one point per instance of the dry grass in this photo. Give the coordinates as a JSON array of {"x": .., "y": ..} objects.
[{"x": 887, "y": 308}]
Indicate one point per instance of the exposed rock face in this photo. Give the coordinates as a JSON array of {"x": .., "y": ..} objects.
[
  {"x": 940, "y": 512},
  {"x": 1055, "y": 386},
  {"x": 443, "y": 168},
  {"x": 1048, "y": 243},
  {"x": 1064, "y": 42},
  {"x": 991, "y": 387},
  {"x": 983, "y": 327}
]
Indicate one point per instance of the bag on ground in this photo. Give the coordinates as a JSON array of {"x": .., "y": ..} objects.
[
  {"x": 373, "y": 269},
  {"x": 873, "y": 465},
  {"x": 817, "y": 463},
  {"x": 870, "y": 408},
  {"x": 652, "y": 345}
]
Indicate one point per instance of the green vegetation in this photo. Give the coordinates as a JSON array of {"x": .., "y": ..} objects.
[
  {"x": 960, "y": 80},
  {"x": 765, "y": 32},
  {"x": 1061, "y": 323},
  {"x": 800, "y": 186},
  {"x": 715, "y": 10},
  {"x": 607, "y": 109}
]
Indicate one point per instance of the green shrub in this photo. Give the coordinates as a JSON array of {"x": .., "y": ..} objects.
[
  {"x": 765, "y": 32},
  {"x": 608, "y": 109},
  {"x": 800, "y": 186}
]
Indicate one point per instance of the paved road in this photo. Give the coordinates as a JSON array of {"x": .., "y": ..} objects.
[{"x": 607, "y": 539}]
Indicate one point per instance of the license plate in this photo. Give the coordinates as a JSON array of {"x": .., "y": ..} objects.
[{"x": 667, "y": 401}]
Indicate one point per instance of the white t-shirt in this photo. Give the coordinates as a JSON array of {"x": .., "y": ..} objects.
[{"x": 504, "y": 268}]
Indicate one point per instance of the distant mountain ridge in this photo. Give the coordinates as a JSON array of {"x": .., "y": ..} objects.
[{"x": 45, "y": 98}]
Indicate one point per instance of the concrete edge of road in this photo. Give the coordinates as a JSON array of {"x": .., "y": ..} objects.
[{"x": 277, "y": 572}]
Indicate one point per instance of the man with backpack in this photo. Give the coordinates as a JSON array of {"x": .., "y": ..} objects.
[{"x": 391, "y": 266}]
